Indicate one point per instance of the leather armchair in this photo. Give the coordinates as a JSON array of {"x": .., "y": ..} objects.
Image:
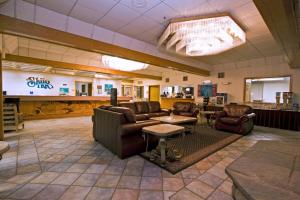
[
  {"x": 188, "y": 109},
  {"x": 236, "y": 119}
]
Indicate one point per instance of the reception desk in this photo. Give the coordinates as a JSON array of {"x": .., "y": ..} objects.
[
  {"x": 46, "y": 107},
  {"x": 167, "y": 103}
]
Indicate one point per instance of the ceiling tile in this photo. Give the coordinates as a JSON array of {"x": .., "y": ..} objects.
[
  {"x": 25, "y": 11},
  {"x": 162, "y": 13},
  {"x": 189, "y": 7},
  {"x": 61, "y": 6},
  {"x": 102, "y": 34},
  {"x": 85, "y": 14},
  {"x": 50, "y": 18},
  {"x": 227, "y": 5},
  {"x": 139, "y": 25},
  {"x": 53, "y": 56},
  {"x": 37, "y": 53},
  {"x": 100, "y": 6},
  {"x": 140, "y": 7},
  {"x": 122, "y": 13},
  {"x": 8, "y": 8},
  {"x": 111, "y": 23},
  {"x": 79, "y": 27}
]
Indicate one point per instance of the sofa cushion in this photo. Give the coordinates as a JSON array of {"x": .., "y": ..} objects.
[
  {"x": 141, "y": 117},
  {"x": 230, "y": 120},
  {"x": 158, "y": 114},
  {"x": 182, "y": 106},
  {"x": 187, "y": 114},
  {"x": 105, "y": 107},
  {"x": 128, "y": 113},
  {"x": 141, "y": 107},
  {"x": 129, "y": 105},
  {"x": 154, "y": 106}
]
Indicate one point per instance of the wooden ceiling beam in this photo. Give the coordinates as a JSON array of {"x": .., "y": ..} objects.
[
  {"x": 65, "y": 65},
  {"x": 19, "y": 27},
  {"x": 280, "y": 18}
]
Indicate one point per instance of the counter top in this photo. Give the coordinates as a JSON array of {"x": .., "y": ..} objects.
[{"x": 65, "y": 98}]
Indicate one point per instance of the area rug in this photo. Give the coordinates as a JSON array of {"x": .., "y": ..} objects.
[{"x": 194, "y": 147}]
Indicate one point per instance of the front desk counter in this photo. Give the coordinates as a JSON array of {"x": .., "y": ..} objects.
[
  {"x": 167, "y": 103},
  {"x": 47, "y": 107}
]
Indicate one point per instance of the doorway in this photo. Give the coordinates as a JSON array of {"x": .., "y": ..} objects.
[
  {"x": 83, "y": 88},
  {"x": 154, "y": 91}
]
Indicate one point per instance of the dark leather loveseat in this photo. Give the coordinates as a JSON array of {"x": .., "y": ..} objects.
[
  {"x": 188, "y": 109},
  {"x": 144, "y": 110},
  {"x": 235, "y": 118},
  {"x": 119, "y": 129}
]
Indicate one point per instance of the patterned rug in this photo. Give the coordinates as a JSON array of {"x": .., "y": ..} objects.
[{"x": 194, "y": 147}]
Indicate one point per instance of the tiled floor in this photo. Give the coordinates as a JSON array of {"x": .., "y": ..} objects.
[{"x": 58, "y": 159}]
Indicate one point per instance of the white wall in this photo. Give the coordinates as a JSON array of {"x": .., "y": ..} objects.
[
  {"x": 235, "y": 74},
  {"x": 14, "y": 82}
]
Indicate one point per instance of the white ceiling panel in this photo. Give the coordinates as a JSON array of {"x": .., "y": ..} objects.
[
  {"x": 61, "y": 6},
  {"x": 111, "y": 23},
  {"x": 188, "y": 7},
  {"x": 162, "y": 13},
  {"x": 140, "y": 6},
  {"x": 85, "y": 14},
  {"x": 122, "y": 13},
  {"x": 227, "y": 5},
  {"x": 139, "y": 25},
  {"x": 101, "y": 6},
  {"x": 38, "y": 45}
]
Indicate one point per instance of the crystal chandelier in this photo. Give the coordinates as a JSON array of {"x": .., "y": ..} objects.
[
  {"x": 202, "y": 36},
  {"x": 122, "y": 64}
]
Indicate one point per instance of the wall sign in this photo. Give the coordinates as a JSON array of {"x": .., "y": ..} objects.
[{"x": 39, "y": 83}]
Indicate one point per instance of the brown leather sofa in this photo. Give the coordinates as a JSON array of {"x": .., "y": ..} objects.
[
  {"x": 144, "y": 110},
  {"x": 188, "y": 109},
  {"x": 235, "y": 118},
  {"x": 118, "y": 130}
]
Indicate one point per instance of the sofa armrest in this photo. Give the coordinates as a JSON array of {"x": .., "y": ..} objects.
[
  {"x": 136, "y": 128},
  {"x": 247, "y": 117},
  {"x": 166, "y": 110},
  {"x": 195, "y": 112}
]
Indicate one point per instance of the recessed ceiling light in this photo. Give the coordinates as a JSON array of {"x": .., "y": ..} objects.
[{"x": 139, "y": 3}]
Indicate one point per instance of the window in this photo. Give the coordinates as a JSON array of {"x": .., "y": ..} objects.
[{"x": 263, "y": 90}]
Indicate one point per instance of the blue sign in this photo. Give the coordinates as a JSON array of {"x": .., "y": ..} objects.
[{"x": 39, "y": 83}]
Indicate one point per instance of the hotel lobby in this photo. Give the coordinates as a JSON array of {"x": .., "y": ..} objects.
[{"x": 150, "y": 99}]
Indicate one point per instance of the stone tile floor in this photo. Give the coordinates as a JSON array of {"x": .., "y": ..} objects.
[{"x": 58, "y": 159}]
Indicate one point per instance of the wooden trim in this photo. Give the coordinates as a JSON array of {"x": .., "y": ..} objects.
[
  {"x": 19, "y": 27},
  {"x": 64, "y": 65},
  {"x": 66, "y": 98},
  {"x": 280, "y": 76},
  {"x": 281, "y": 21},
  {"x": 1, "y": 102}
]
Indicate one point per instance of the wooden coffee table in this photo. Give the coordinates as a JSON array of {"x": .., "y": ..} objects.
[
  {"x": 177, "y": 120},
  {"x": 162, "y": 131}
]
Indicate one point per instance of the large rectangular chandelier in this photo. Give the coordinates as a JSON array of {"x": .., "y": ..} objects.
[{"x": 202, "y": 36}]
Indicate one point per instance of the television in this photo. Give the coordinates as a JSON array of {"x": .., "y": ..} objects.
[{"x": 207, "y": 90}]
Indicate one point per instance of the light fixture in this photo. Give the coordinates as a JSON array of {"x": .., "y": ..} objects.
[
  {"x": 199, "y": 36},
  {"x": 122, "y": 64}
]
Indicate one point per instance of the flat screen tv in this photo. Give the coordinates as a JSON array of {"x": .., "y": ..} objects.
[{"x": 207, "y": 90}]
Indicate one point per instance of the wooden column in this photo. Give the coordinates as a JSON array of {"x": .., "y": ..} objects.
[{"x": 1, "y": 102}]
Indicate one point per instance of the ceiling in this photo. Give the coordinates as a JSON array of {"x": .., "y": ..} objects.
[
  {"x": 44, "y": 50},
  {"x": 146, "y": 20}
]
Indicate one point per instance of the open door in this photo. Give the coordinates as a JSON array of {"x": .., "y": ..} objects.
[{"x": 154, "y": 92}]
